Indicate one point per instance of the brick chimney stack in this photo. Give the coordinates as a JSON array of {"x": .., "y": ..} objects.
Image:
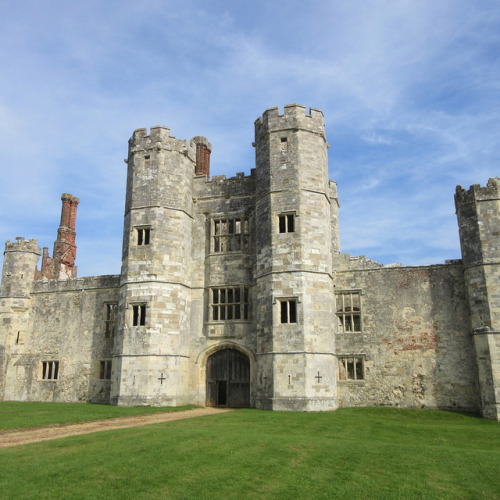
[
  {"x": 203, "y": 150},
  {"x": 62, "y": 264}
]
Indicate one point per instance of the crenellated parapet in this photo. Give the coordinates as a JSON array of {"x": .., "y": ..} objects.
[
  {"x": 160, "y": 139},
  {"x": 295, "y": 117},
  {"x": 22, "y": 245},
  {"x": 477, "y": 193}
]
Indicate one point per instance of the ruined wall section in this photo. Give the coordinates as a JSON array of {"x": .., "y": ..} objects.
[
  {"x": 293, "y": 262},
  {"x": 478, "y": 213},
  {"x": 66, "y": 325},
  {"x": 414, "y": 339}
]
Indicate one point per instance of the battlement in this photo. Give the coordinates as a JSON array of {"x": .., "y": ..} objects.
[
  {"x": 159, "y": 138},
  {"x": 294, "y": 117},
  {"x": 477, "y": 193},
  {"x": 21, "y": 245}
]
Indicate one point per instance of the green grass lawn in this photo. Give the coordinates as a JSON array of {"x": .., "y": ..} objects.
[
  {"x": 351, "y": 453},
  {"x": 16, "y": 415}
]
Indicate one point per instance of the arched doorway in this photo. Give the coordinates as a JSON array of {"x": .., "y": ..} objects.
[{"x": 228, "y": 379}]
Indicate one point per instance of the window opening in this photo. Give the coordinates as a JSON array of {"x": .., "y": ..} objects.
[
  {"x": 50, "y": 370},
  {"x": 111, "y": 320},
  {"x": 349, "y": 311},
  {"x": 286, "y": 223},
  {"x": 230, "y": 235},
  {"x": 230, "y": 303},
  {"x": 288, "y": 311},
  {"x": 105, "y": 369},
  {"x": 143, "y": 235},
  {"x": 351, "y": 368},
  {"x": 18, "y": 337},
  {"x": 139, "y": 315}
]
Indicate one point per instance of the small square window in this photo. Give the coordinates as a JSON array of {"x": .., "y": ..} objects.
[
  {"x": 139, "y": 315},
  {"x": 351, "y": 368},
  {"x": 110, "y": 321},
  {"x": 348, "y": 311},
  {"x": 143, "y": 235},
  {"x": 288, "y": 311},
  {"x": 227, "y": 303},
  {"x": 50, "y": 370},
  {"x": 105, "y": 369},
  {"x": 286, "y": 223}
]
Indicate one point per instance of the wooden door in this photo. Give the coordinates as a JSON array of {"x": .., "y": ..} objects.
[{"x": 228, "y": 379}]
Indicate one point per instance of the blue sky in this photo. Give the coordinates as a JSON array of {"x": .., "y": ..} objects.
[{"x": 410, "y": 91}]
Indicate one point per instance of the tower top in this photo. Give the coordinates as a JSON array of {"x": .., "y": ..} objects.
[
  {"x": 294, "y": 117},
  {"x": 159, "y": 138},
  {"x": 477, "y": 193},
  {"x": 22, "y": 245}
]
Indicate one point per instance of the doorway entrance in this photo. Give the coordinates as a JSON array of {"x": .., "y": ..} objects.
[{"x": 228, "y": 379}]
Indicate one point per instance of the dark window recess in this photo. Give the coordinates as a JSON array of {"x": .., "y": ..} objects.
[
  {"x": 227, "y": 303},
  {"x": 110, "y": 321},
  {"x": 50, "y": 370},
  {"x": 349, "y": 312},
  {"x": 231, "y": 235},
  {"x": 288, "y": 313},
  {"x": 286, "y": 223},
  {"x": 139, "y": 315},
  {"x": 105, "y": 370},
  {"x": 143, "y": 236},
  {"x": 351, "y": 368}
]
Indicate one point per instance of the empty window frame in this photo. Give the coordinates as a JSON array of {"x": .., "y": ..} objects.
[
  {"x": 50, "y": 370},
  {"x": 230, "y": 235},
  {"x": 105, "y": 369},
  {"x": 143, "y": 235},
  {"x": 351, "y": 368},
  {"x": 286, "y": 223},
  {"x": 348, "y": 309},
  {"x": 230, "y": 303},
  {"x": 288, "y": 310},
  {"x": 110, "y": 321},
  {"x": 138, "y": 314}
]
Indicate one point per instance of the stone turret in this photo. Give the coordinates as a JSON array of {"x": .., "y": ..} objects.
[
  {"x": 478, "y": 213},
  {"x": 19, "y": 267},
  {"x": 155, "y": 296},
  {"x": 18, "y": 275},
  {"x": 293, "y": 262}
]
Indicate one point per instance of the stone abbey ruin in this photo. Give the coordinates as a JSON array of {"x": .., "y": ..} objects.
[{"x": 234, "y": 292}]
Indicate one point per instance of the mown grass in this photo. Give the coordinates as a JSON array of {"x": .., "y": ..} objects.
[
  {"x": 351, "y": 453},
  {"x": 17, "y": 415}
]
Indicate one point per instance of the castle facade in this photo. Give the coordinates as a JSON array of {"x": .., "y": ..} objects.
[{"x": 234, "y": 292}]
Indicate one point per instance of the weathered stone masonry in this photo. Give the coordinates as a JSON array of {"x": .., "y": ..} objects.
[{"x": 233, "y": 292}]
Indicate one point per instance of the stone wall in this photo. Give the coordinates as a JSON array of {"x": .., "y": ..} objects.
[
  {"x": 414, "y": 337},
  {"x": 67, "y": 325}
]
